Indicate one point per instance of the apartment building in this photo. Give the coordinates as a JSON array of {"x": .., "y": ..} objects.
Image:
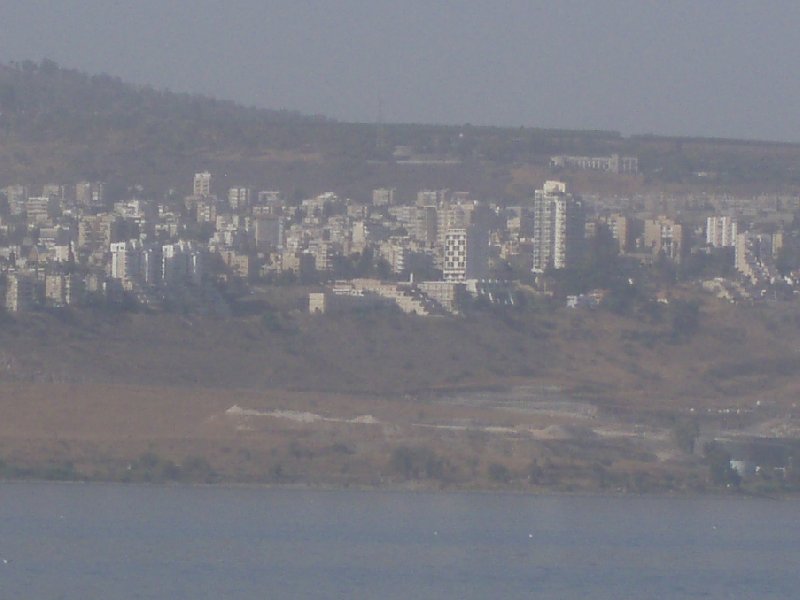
[{"x": 559, "y": 228}]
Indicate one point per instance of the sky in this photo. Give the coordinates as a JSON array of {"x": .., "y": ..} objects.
[{"x": 722, "y": 68}]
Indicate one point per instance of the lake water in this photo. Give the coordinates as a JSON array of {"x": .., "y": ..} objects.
[{"x": 112, "y": 542}]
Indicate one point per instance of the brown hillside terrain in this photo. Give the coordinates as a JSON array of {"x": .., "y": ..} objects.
[
  {"x": 737, "y": 351},
  {"x": 333, "y": 400}
]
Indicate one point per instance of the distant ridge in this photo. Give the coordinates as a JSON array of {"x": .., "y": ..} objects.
[
  {"x": 45, "y": 86},
  {"x": 62, "y": 125}
]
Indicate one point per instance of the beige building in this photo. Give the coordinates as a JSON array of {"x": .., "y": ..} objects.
[
  {"x": 448, "y": 295},
  {"x": 20, "y": 292},
  {"x": 89, "y": 194},
  {"x": 742, "y": 258},
  {"x": 63, "y": 290},
  {"x": 321, "y": 303},
  {"x": 301, "y": 263},
  {"x": 383, "y": 197},
  {"x": 202, "y": 184},
  {"x": 240, "y": 265},
  {"x": 97, "y": 230},
  {"x": 777, "y": 243},
  {"x": 620, "y": 165},
  {"x": 206, "y": 211},
  {"x": 36, "y": 210},
  {"x": 721, "y": 232},
  {"x": 664, "y": 236},
  {"x": 239, "y": 198},
  {"x": 620, "y": 228}
]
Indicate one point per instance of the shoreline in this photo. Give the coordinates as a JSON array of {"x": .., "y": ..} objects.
[{"x": 416, "y": 489}]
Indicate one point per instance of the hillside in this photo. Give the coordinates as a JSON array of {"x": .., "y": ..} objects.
[
  {"x": 535, "y": 399},
  {"x": 275, "y": 394},
  {"x": 595, "y": 354},
  {"x": 59, "y": 124}
]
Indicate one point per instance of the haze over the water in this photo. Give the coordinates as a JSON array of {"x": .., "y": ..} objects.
[{"x": 726, "y": 69}]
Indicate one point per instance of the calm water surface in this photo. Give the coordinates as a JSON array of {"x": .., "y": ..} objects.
[{"x": 121, "y": 542}]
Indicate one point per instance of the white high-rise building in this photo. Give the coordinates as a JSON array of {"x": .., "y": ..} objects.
[
  {"x": 202, "y": 184},
  {"x": 721, "y": 231},
  {"x": 466, "y": 253},
  {"x": 239, "y": 198},
  {"x": 559, "y": 228},
  {"x": 126, "y": 260},
  {"x": 181, "y": 263}
]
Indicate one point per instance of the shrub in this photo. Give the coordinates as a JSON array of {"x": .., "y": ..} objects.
[
  {"x": 499, "y": 473},
  {"x": 416, "y": 463}
]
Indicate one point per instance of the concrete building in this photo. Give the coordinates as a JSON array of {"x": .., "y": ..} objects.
[
  {"x": 558, "y": 228},
  {"x": 63, "y": 290},
  {"x": 89, "y": 193},
  {"x": 36, "y": 209},
  {"x": 16, "y": 195},
  {"x": 466, "y": 254},
  {"x": 721, "y": 231},
  {"x": 420, "y": 222},
  {"x": 240, "y": 264},
  {"x": 206, "y": 211},
  {"x": 449, "y": 295},
  {"x": 133, "y": 263},
  {"x": 777, "y": 243},
  {"x": 621, "y": 231},
  {"x": 397, "y": 253},
  {"x": 406, "y": 296},
  {"x": 452, "y": 216},
  {"x": 324, "y": 255},
  {"x": 150, "y": 264},
  {"x": 125, "y": 260},
  {"x": 299, "y": 262},
  {"x": 322, "y": 303},
  {"x": 664, "y": 236},
  {"x": 741, "y": 257},
  {"x": 432, "y": 197},
  {"x": 53, "y": 190},
  {"x": 20, "y": 292},
  {"x": 383, "y": 197},
  {"x": 239, "y": 198},
  {"x": 83, "y": 193},
  {"x": 267, "y": 232},
  {"x": 202, "y": 184},
  {"x": 619, "y": 165},
  {"x": 98, "y": 230},
  {"x": 273, "y": 199},
  {"x": 181, "y": 263}
]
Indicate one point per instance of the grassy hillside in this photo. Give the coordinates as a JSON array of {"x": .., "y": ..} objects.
[
  {"x": 59, "y": 124},
  {"x": 618, "y": 359},
  {"x": 385, "y": 399}
]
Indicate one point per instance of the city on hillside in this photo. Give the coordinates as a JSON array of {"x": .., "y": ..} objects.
[{"x": 433, "y": 254}]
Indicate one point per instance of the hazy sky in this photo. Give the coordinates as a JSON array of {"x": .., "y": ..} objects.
[{"x": 716, "y": 68}]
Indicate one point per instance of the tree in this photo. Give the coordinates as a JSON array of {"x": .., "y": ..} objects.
[
  {"x": 685, "y": 433},
  {"x": 685, "y": 319},
  {"x": 499, "y": 473},
  {"x": 719, "y": 465},
  {"x": 416, "y": 463}
]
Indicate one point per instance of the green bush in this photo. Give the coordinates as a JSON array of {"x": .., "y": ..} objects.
[
  {"x": 416, "y": 463},
  {"x": 498, "y": 473}
]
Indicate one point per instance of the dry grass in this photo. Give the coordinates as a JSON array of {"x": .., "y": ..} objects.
[{"x": 99, "y": 391}]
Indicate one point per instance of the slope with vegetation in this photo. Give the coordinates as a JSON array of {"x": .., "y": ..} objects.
[{"x": 59, "y": 124}]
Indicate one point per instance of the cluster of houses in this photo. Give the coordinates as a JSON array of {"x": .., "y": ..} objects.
[{"x": 425, "y": 253}]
